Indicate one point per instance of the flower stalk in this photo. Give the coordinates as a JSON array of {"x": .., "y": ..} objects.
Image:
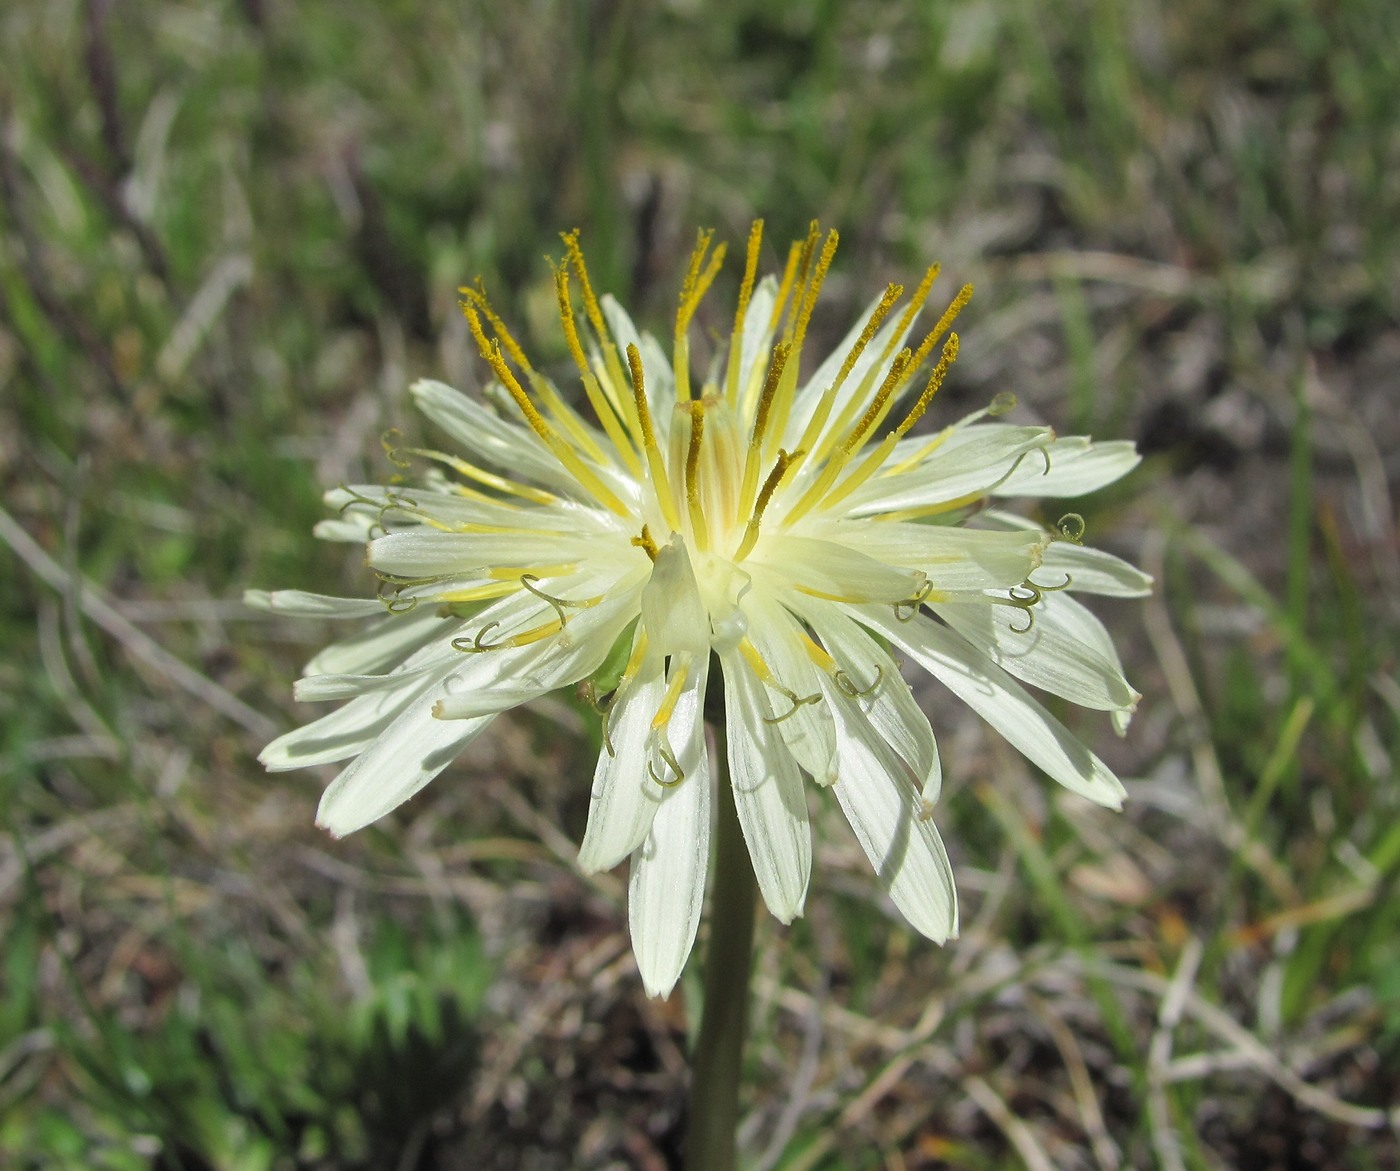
[{"x": 713, "y": 1115}]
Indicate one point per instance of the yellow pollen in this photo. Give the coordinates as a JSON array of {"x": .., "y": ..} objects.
[
  {"x": 794, "y": 258},
  {"x": 661, "y": 483},
  {"x": 566, "y": 455},
  {"x": 591, "y": 308},
  {"x": 876, "y": 459},
  {"x": 647, "y": 543},
  {"x": 741, "y": 310},
  {"x": 828, "y": 399},
  {"x": 760, "y": 426},
  {"x": 692, "y": 476},
  {"x": 603, "y": 405},
  {"x": 693, "y": 289},
  {"x": 814, "y": 287},
  {"x": 803, "y": 273},
  {"x": 770, "y": 486},
  {"x": 477, "y": 297},
  {"x": 878, "y": 405}
]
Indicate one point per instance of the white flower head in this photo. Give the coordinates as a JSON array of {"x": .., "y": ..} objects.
[{"x": 785, "y": 525}]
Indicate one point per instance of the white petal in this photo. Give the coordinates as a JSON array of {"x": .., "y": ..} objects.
[
  {"x": 342, "y": 733},
  {"x": 483, "y": 701},
  {"x": 1092, "y": 571},
  {"x": 514, "y": 449},
  {"x": 955, "y": 559},
  {"x": 351, "y": 529},
  {"x": 889, "y": 817},
  {"x": 887, "y": 339},
  {"x": 625, "y": 798},
  {"x": 427, "y": 552},
  {"x": 806, "y": 729},
  {"x": 828, "y": 569},
  {"x": 953, "y": 473},
  {"x": 304, "y": 605},
  {"x": 404, "y": 758},
  {"x": 383, "y": 645},
  {"x": 320, "y": 688},
  {"x": 1002, "y": 702},
  {"x": 768, "y": 794},
  {"x": 882, "y": 695},
  {"x": 1077, "y": 466},
  {"x": 1061, "y": 651},
  {"x": 667, "y": 887}
]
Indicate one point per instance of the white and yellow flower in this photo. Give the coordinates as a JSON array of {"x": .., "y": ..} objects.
[{"x": 787, "y": 526}]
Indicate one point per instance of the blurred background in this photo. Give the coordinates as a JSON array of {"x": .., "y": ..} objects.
[{"x": 231, "y": 233}]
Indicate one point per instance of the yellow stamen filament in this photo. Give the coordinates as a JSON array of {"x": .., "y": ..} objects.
[
  {"x": 828, "y": 399},
  {"x": 770, "y": 486},
  {"x": 646, "y": 542},
  {"x": 760, "y": 426},
  {"x": 674, "y": 686},
  {"x": 794, "y": 258},
  {"x": 875, "y": 460},
  {"x": 817, "y": 653},
  {"x": 661, "y": 483},
  {"x": 566, "y": 455},
  {"x": 803, "y": 272},
  {"x": 693, "y": 289},
  {"x": 814, "y": 287},
  {"x": 692, "y": 476},
  {"x": 755, "y": 660},
  {"x": 604, "y": 406},
  {"x": 817, "y": 491},
  {"x": 736, "y": 348},
  {"x": 591, "y": 308},
  {"x": 482, "y": 476}
]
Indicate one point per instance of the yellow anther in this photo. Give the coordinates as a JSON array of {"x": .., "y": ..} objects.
[
  {"x": 828, "y": 399},
  {"x": 736, "y": 338},
  {"x": 806, "y": 249},
  {"x": 478, "y": 299},
  {"x": 692, "y": 475},
  {"x": 490, "y": 350},
  {"x": 646, "y": 542},
  {"x": 794, "y": 258},
  {"x": 876, "y": 459},
  {"x": 603, "y": 405},
  {"x": 879, "y": 405},
  {"x": 566, "y": 455},
  {"x": 754, "y": 458},
  {"x": 693, "y": 289},
  {"x": 814, "y": 287},
  {"x": 592, "y": 309},
  {"x": 661, "y": 483},
  {"x": 770, "y": 486}
]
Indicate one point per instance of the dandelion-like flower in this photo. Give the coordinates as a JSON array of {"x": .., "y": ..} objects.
[{"x": 789, "y": 527}]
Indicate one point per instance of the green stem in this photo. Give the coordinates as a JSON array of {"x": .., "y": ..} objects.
[{"x": 719, "y": 1049}]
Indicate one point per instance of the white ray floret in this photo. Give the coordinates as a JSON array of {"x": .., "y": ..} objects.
[{"x": 786, "y": 529}]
